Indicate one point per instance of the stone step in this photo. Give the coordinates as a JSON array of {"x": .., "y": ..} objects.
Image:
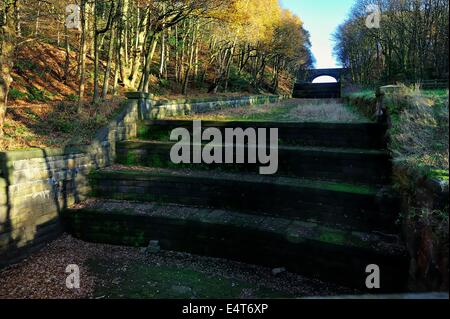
[
  {"x": 337, "y": 135},
  {"x": 307, "y": 248},
  {"x": 348, "y": 205},
  {"x": 348, "y": 165},
  {"x": 317, "y": 90}
]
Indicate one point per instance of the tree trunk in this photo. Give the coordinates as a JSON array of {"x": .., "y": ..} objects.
[
  {"x": 7, "y": 41},
  {"x": 109, "y": 63},
  {"x": 82, "y": 62},
  {"x": 96, "y": 54},
  {"x": 148, "y": 62},
  {"x": 124, "y": 63},
  {"x": 18, "y": 21},
  {"x": 162, "y": 57},
  {"x": 191, "y": 59},
  {"x": 67, "y": 62},
  {"x": 116, "y": 71},
  {"x": 89, "y": 17},
  {"x": 139, "y": 48},
  {"x": 177, "y": 63},
  {"x": 38, "y": 16}
]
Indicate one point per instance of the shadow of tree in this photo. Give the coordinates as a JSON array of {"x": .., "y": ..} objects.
[
  {"x": 64, "y": 182},
  {"x": 19, "y": 239}
]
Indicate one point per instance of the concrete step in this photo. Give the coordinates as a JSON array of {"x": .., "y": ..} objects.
[
  {"x": 337, "y": 135},
  {"x": 349, "y": 205},
  {"x": 317, "y": 90},
  {"x": 321, "y": 252},
  {"x": 348, "y": 165}
]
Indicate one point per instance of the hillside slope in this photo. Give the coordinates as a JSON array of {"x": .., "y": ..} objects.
[{"x": 42, "y": 102}]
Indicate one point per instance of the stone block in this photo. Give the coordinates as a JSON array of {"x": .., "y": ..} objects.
[
  {"x": 3, "y": 214},
  {"x": 138, "y": 95},
  {"x": 389, "y": 89}
]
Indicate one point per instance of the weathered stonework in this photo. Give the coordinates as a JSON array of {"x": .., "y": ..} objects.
[
  {"x": 426, "y": 237},
  {"x": 36, "y": 185},
  {"x": 152, "y": 108},
  {"x": 427, "y": 244}
]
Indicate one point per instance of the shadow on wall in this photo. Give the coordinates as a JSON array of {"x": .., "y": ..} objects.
[{"x": 35, "y": 187}]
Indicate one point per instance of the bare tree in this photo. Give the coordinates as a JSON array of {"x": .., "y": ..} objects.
[{"x": 7, "y": 43}]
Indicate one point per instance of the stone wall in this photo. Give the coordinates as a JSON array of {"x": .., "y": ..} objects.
[
  {"x": 425, "y": 232},
  {"x": 426, "y": 237},
  {"x": 36, "y": 185},
  {"x": 423, "y": 198},
  {"x": 152, "y": 108},
  {"x": 365, "y": 105}
]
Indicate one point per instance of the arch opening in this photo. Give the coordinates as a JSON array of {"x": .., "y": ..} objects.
[{"x": 325, "y": 79}]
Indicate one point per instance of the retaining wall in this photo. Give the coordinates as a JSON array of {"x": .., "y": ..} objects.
[
  {"x": 36, "y": 185},
  {"x": 427, "y": 242},
  {"x": 152, "y": 108}
]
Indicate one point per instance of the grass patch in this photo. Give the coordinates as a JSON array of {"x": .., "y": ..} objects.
[
  {"x": 55, "y": 125},
  {"x": 439, "y": 174},
  {"x": 363, "y": 102},
  {"x": 435, "y": 93},
  {"x": 366, "y": 93},
  {"x": 142, "y": 281},
  {"x": 326, "y": 111},
  {"x": 420, "y": 146},
  {"x": 420, "y": 129},
  {"x": 15, "y": 94}
]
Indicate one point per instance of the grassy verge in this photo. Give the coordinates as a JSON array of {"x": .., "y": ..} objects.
[
  {"x": 419, "y": 141},
  {"x": 420, "y": 130},
  {"x": 55, "y": 124},
  {"x": 286, "y": 111},
  {"x": 365, "y": 93},
  {"x": 363, "y": 102}
]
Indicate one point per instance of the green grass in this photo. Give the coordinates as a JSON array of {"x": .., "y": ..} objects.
[
  {"x": 436, "y": 92},
  {"x": 325, "y": 111},
  {"x": 35, "y": 94},
  {"x": 439, "y": 174},
  {"x": 366, "y": 93},
  {"x": 151, "y": 173},
  {"x": 420, "y": 129},
  {"x": 142, "y": 281},
  {"x": 15, "y": 94},
  {"x": 57, "y": 125}
]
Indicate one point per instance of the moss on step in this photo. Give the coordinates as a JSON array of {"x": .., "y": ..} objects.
[
  {"x": 133, "y": 145},
  {"x": 332, "y": 236},
  {"x": 142, "y": 281},
  {"x": 151, "y": 174},
  {"x": 133, "y": 229},
  {"x": 155, "y": 133},
  {"x": 349, "y": 188}
]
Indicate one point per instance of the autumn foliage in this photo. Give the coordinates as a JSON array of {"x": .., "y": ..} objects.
[{"x": 121, "y": 45}]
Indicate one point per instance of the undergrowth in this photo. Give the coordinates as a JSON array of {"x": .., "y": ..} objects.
[
  {"x": 419, "y": 137},
  {"x": 55, "y": 125}
]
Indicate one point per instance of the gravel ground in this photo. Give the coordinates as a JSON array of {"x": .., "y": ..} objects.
[{"x": 42, "y": 275}]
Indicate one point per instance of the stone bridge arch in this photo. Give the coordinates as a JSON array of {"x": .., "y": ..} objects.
[{"x": 304, "y": 88}]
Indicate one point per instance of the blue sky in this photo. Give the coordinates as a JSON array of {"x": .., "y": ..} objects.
[{"x": 321, "y": 18}]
